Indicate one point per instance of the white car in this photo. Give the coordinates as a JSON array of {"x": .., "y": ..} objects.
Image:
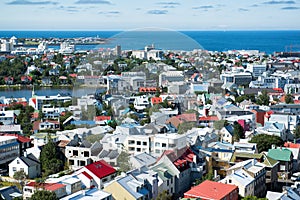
[{"x": 296, "y": 176}]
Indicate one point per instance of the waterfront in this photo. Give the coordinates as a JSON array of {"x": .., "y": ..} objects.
[
  {"x": 265, "y": 41},
  {"x": 27, "y": 92}
]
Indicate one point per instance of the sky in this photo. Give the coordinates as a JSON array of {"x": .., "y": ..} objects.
[{"x": 133, "y": 14}]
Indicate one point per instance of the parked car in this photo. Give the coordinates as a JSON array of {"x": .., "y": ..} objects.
[{"x": 296, "y": 176}]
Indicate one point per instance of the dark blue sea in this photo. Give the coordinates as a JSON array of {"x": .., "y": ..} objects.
[{"x": 265, "y": 41}]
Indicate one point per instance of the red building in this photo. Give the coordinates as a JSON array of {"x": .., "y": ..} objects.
[{"x": 210, "y": 190}]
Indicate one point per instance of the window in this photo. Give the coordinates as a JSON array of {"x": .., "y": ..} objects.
[
  {"x": 164, "y": 145},
  {"x": 75, "y": 152},
  {"x": 145, "y": 143},
  {"x": 86, "y": 154},
  {"x": 14, "y": 169},
  {"x": 18, "y": 162},
  {"x": 71, "y": 162},
  {"x": 138, "y": 149},
  {"x": 229, "y": 181},
  {"x": 22, "y": 169},
  {"x": 138, "y": 142},
  {"x": 157, "y": 144}
]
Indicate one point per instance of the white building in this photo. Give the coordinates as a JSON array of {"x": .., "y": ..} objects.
[
  {"x": 256, "y": 70},
  {"x": 170, "y": 76},
  {"x": 28, "y": 164},
  {"x": 7, "y": 117},
  {"x": 37, "y": 101},
  {"x": 162, "y": 142},
  {"x": 137, "y": 144}
]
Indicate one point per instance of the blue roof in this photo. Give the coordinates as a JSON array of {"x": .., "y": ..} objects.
[{"x": 81, "y": 122}]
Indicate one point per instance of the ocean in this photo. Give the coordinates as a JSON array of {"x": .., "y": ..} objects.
[{"x": 264, "y": 41}]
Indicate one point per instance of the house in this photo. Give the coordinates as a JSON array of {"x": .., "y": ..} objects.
[
  {"x": 96, "y": 174},
  {"x": 24, "y": 142},
  {"x": 166, "y": 177},
  {"x": 27, "y": 163},
  {"x": 9, "y": 80},
  {"x": 149, "y": 178},
  {"x": 79, "y": 154},
  {"x": 142, "y": 159},
  {"x": 285, "y": 159},
  {"x": 156, "y": 100},
  {"x": 274, "y": 128},
  {"x": 46, "y": 81},
  {"x": 10, "y": 193},
  {"x": 26, "y": 79},
  {"x": 227, "y": 134},
  {"x": 210, "y": 190},
  {"x": 7, "y": 117},
  {"x": 58, "y": 188},
  {"x": 250, "y": 168},
  {"x": 46, "y": 125},
  {"x": 73, "y": 185},
  {"x": 128, "y": 187},
  {"x": 187, "y": 167},
  {"x": 89, "y": 194},
  {"x": 271, "y": 165},
  {"x": 243, "y": 180}
]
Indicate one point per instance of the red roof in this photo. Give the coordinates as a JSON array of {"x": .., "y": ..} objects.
[
  {"x": 54, "y": 186},
  {"x": 156, "y": 100},
  {"x": 292, "y": 145},
  {"x": 20, "y": 138},
  {"x": 102, "y": 118},
  {"x": 73, "y": 75},
  {"x": 210, "y": 190},
  {"x": 47, "y": 186},
  {"x": 189, "y": 117},
  {"x": 87, "y": 175},
  {"x": 101, "y": 169},
  {"x": 208, "y": 118}
]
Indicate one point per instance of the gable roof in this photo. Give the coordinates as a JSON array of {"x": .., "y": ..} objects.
[
  {"x": 30, "y": 160},
  {"x": 101, "y": 169},
  {"x": 280, "y": 154},
  {"x": 6, "y": 192},
  {"x": 210, "y": 190}
]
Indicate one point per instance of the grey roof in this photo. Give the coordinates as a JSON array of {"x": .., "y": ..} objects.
[
  {"x": 110, "y": 154},
  {"x": 9, "y": 193},
  {"x": 130, "y": 184},
  {"x": 145, "y": 159},
  {"x": 30, "y": 160},
  {"x": 86, "y": 144}
]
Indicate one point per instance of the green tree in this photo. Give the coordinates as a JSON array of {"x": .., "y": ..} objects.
[
  {"x": 264, "y": 142},
  {"x": 238, "y": 132},
  {"x": 253, "y": 198},
  {"x": 220, "y": 124},
  {"x": 20, "y": 176},
  {"x": 185, "y": 126},
  {"x": 123, "y": 162},
  {"x": 289, "y": 99},
  {"x": 49, "y": 158},
  {"x": 164, "y": 195},
  {"x": 43, "y": 194},
  {"x": 297, "y": 132},
  {"x": 263, "y": 98}
]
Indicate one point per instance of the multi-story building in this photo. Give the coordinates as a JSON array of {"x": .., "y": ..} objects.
[
  {"x": 9, "y": 149},
  {"x": 162, "y": 142},
  {"x": 170, "y": 76},
  {"x": 256, "y": 69},
  {"x": 37, "y": 101},
  {"x": 238, "y": 78},
  {"x": 7, "y": 117},
  {"x": 137, "y": 144}
]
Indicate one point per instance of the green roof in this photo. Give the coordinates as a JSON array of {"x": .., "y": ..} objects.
[
  {"x": 268, "y": 161},
  {"x": 280, "y": 154}
]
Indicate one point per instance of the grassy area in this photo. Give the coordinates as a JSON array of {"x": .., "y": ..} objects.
[
  {"x": 6, "y": 183},
  {"x": 31, "y": 43}
]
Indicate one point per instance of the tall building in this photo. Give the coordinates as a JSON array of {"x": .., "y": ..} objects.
[{"x": 118, "y": 50}]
